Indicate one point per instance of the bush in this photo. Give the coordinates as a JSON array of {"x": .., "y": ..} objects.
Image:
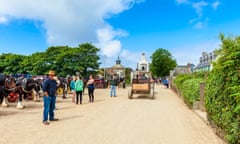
[
  {"x": 191, "y": 91},
  {"x": 180, "y": 79},
  {"x": 189, "y": 86},
  {"x": 222, "y": 92}
]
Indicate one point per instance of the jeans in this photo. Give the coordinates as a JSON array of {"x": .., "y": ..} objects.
[
  {"x": 49, "y": 107},
  {"x": 113, "y": 90}
]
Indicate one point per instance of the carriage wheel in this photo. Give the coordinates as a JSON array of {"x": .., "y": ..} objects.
[
  {"x": 152, "y": 92},
  {"x": 130, "y": 94},
  {"x": 59, "y": 91}
]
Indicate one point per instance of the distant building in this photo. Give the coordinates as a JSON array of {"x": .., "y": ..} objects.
[
  {"x": 143, "y": 65},
  {"x": 182, "y": 69},
  {"x": 118, "y": 70},
  {"x": 205, "y": 61}
]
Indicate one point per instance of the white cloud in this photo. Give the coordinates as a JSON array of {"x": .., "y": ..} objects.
[
  {"x": 199, "y": 25},
  {"x": 111, "y": 48},
  {"x": 71, "y": 22},
  {"x": 3, "y": 20},
  {"x": 106, "y": 41},
  {"x": 215, "y": 5},
  {"x": 198, "y": 6},
  {"x": 182, "y": 1}
]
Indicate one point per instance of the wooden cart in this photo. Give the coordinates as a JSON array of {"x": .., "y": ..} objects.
[{"x": 141, "y": 83}]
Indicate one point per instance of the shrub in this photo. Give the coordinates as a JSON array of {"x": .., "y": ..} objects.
[
  {"x": 191, "y": 91},
  {"x": 189, "y": 86},
  {"x": 222, "y": 92},
  {"x": 180, "y": 79}
]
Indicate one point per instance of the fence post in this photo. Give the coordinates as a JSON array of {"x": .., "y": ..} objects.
[{"x": 202, "y": 97}]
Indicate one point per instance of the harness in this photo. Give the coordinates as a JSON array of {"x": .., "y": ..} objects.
[{"x": 26, "y": 91}]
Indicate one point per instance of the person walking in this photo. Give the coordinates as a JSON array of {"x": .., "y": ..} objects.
[
  {"x": 113, "y": 84},
  {"x": 79, "y": 89},
  {"x": 90, "y": 85},
  {"x": 72, "y": 87},
  {"x": 49, "y": 98}
]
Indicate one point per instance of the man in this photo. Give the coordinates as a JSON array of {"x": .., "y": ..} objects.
[
  {"x": 49, "y": 98},
  {"x": 113, "y": 84}
]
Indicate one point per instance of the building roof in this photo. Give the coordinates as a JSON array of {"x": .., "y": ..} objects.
[{"x": 118, "y": 66}]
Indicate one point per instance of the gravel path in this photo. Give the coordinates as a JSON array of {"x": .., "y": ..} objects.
[{"x": 164, "y": 120}]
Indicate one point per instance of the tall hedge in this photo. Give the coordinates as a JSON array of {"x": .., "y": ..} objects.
[
  {"x": 191, "y": 91},
  {"x": 189, "y": 86},
  {"x": 222, "y": 94}
]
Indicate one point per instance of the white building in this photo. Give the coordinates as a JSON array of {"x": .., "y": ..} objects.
[{"x": 143, "y": 65}]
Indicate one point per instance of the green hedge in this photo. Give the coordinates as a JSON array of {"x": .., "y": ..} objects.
[
  {"x": 189, "y": 86},
  {"x": 222, "y": 92},
  {"x": 191, "y": 91},
  {"x": 178, "y": 81}
]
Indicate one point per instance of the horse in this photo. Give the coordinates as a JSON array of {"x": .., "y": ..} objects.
[
  {"x": 62, "y": 86},
  {"x": 28, "y": 86},
  {"x": 22, "y": 87},
  {"x": 7, "y": 86}
]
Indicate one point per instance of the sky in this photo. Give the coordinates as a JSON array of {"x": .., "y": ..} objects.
[{"x": 124, "y": 28}]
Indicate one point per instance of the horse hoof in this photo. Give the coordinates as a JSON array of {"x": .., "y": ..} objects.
[
  {"x": 19, "y": 106},
  {"x": 4, "y": 105}
]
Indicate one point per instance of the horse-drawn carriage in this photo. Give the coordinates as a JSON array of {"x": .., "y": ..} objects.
[{"x": 141, "y": 83}]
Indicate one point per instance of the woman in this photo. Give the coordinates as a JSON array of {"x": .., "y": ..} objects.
[
  {"x": 79, "y": 89},
  {"x": 72, "y": 87},
  {"x": 90, "y": 85}
]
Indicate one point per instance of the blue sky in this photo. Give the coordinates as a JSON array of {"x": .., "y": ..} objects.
[{"x": 126, "y": 28}]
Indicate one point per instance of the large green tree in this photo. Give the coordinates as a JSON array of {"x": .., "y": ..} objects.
[
  {"x": 64, "y": 60},
  {"x": 11, "y": 63},
  {"x": 162, "y": 63}
]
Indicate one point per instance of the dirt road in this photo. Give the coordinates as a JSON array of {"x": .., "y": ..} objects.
[{"x": 164, "y": 120}]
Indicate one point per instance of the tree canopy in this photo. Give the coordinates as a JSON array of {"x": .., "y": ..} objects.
[
  {"x": 162, "y": 63},
  {"x": 64, "y": 60}
]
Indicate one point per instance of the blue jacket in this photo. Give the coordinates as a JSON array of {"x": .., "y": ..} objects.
[
  {"x": 72, "y": 85},
  {"x": 50, "y": 86}
]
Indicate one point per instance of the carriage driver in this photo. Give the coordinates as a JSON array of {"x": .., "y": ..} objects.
[{"x": 49, "y": 98}]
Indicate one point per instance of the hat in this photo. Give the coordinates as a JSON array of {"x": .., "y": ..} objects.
[{"x": 51, "y": 72}]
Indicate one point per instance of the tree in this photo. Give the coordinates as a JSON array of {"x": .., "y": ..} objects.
[
  {"x": 128, "y": 75},
  {"x": 64, "y": 60},
  {"x": 89, "y": 59},
  {"x": 162, "y": 63},
  {"x": 11, "y": 63}
]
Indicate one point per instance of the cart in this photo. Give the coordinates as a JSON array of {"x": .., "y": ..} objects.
[{"x": 141, "y": 83}]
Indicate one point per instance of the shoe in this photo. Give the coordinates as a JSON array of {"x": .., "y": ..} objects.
[
  {"x": 55, "y": 119},
  {"x": 46, "y": 123}
]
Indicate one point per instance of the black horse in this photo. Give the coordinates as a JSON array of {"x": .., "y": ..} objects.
[
  {"x": 2, "y": 86},
  {"x": 22, "y": 87},
  {"x": 29, "y": 86}
]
